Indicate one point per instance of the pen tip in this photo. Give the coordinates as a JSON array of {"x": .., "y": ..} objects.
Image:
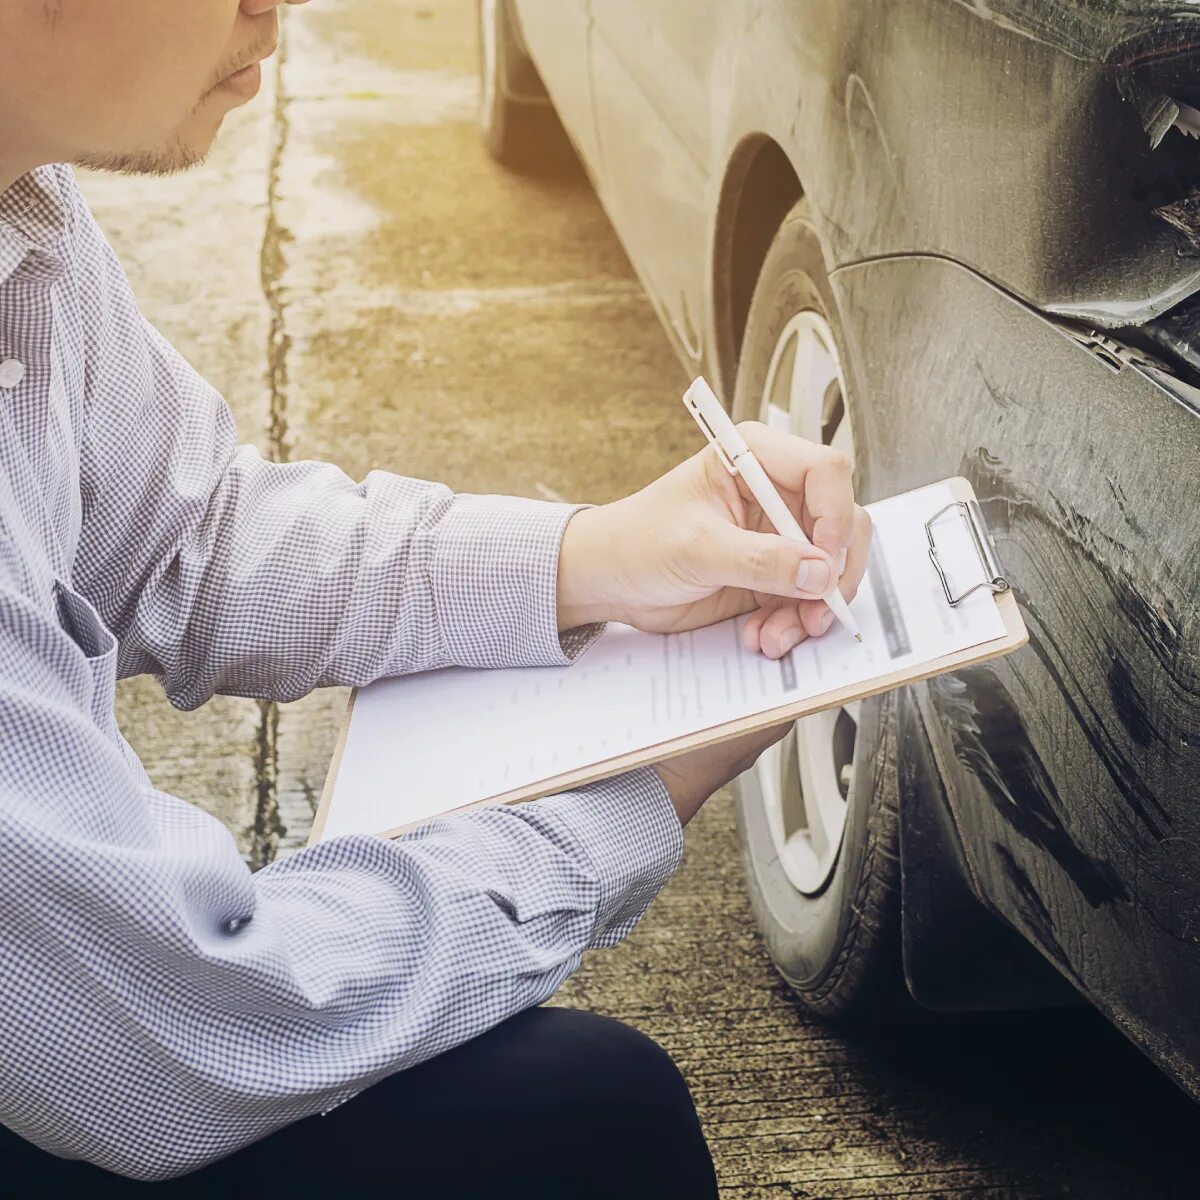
[{"x": 858, "y": 637}]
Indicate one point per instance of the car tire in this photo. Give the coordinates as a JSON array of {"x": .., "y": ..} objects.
[
  {"x": 837, "y": 942},
  {"x": 520, "y": 128}
]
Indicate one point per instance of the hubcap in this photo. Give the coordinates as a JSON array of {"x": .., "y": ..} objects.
[{"x": 805, "y": 779}]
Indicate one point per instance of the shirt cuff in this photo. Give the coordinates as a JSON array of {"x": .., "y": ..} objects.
[
  {"x": 495, "y": 583},
  {"x": 629, "y": 831}
]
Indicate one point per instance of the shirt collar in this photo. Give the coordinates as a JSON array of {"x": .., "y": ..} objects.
[{"x": 33, "y": 224}]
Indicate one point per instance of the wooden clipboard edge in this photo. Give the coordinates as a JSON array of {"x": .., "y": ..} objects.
[{"x": 1015, "y": 636}]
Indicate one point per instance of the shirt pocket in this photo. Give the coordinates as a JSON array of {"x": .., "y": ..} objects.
[{"x": 82, "y": 624}]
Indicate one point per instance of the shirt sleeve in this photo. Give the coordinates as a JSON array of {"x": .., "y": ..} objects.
[
  {"x": 220, "y": 572},
  {"x": 163, "y": 1006}
]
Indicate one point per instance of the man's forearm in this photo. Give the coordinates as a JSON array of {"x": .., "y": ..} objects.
[
  {"x": 220, "y": 572},
  {"x": 295, "y": 577}
]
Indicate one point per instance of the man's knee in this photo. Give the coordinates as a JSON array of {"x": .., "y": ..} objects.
[
  {"x": 606, "y": 1110},
  {"x": 612, "y": 1087},
  {"x": 594, "y": 1078},
  {"x": 598, "y": 1057}
]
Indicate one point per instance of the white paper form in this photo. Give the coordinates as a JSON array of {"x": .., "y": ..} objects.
[{"x": 423, "y": 744}]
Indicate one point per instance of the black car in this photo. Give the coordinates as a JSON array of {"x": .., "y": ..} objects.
[{"x": 977, "y": 227}]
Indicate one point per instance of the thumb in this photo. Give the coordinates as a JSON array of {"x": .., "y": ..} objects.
[{"x": 766, "y": 562}]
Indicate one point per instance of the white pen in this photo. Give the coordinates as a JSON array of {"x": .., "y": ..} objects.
[{"x": 739, "y": 459}]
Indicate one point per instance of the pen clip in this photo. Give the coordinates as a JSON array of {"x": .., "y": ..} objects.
[{"x": 711, "y": 437}]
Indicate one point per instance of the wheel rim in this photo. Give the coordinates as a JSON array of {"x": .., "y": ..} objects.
[
  {"x": 805, "y": 779},
  {"x": 487, "y": 66}
]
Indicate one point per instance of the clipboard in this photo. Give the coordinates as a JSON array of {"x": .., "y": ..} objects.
[{"x": 963, "y": 509}]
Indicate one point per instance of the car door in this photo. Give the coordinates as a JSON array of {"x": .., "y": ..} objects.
[
  {"x": 650, "y": 69},
  {"x": 555, "y": 33}
]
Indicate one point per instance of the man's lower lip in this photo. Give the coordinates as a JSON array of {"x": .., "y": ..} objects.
[{"x": 245, "y": 82}]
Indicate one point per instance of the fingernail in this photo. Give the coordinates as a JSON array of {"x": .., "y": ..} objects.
[
  {"x": 841, "y": 563},
  {"x": 790, "y": 640},
  {"x": 826, "y": 621},
  {"x": 813, "y": 577}
]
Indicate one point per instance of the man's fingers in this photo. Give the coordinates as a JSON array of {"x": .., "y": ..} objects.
[
  {"x": 858, "y": 554},
  {"x": 766, "y": 562},
  {"x": 829, "y": 499},
  {"x": 815, "y": 616},
  {"x": 822, "y": 475},
  {"x": 781, "y": 632},
  {"x": 752, "y": 629}
]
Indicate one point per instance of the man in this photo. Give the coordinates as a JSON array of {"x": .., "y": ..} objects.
[{"x": 167, "y": 1015}]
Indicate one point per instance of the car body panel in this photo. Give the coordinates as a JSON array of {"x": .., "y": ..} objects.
[
  {"x": 989, "y": 147},
  {"x": 1056, "y": 204},
  {"x": 661, "y": 215},
  {"x": 556, "y": 34},
  {"x": 1070, "y": 766},
  {"x": 976, "y": 174},
  {"x": 650, "y": 61}
]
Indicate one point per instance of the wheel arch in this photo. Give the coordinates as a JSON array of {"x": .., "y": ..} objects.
[
  {"x": 758, "y": 189},
  {"x": 989, "y": 966}
]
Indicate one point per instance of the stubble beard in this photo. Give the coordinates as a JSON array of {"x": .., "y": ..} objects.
[
  {"x": 173, "y": 155},
  {"x": 169, "y": 159}
]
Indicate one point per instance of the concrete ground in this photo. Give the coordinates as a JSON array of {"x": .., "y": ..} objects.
[{"x": 366, "y": 286}]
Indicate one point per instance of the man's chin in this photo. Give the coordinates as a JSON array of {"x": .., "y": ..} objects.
[{"x": 180, "y": 153}]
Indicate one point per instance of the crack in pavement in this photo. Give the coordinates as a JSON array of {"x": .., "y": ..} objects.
[
  {"x": 273, "y": 265},
  {"x": 268, "y": 828}
]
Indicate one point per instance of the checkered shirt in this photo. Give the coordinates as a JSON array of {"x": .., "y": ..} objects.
[{"x": 162, "y": 1005}]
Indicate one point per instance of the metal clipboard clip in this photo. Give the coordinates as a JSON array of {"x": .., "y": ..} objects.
[{"x": 993, "y": 580}]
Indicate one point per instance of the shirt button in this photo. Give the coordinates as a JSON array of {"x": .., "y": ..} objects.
[{"x": 12, "y": 371}]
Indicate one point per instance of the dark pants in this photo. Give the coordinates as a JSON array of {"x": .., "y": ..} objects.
[{"x": 554, "y": 1104}]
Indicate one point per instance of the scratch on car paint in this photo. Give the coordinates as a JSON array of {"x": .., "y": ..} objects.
[
  {"x": 1129, "y": 705},
  {"x": 1002, "y": 399},
  {"x": 1083, "y": 571},
  {"x": 870, "y": 151},
  {"x": 1165, "y": 888},
  {"x": 1122, "y": 502},
  {"x": 1032, "y": 909},
  {"x": 1090, "y": 718},
  {"x": 991, "y": 742}
]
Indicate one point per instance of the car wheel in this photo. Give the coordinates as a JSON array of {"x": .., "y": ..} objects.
[
  {"x": 818, "y": 815},
  {"x": 519, "y": 126}
]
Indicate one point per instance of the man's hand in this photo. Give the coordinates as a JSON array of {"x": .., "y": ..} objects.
[
  {"x": 691, "y": 778},
  {"x": 694, "y": 547}
]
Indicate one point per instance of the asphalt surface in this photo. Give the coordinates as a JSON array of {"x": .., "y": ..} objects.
[{"x": 364, "y": 285}]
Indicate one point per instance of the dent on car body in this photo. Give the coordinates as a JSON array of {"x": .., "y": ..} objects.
[
  {"x": 1089, "y": 566},
  {"x": 1129, "y": 35},
  {"x": 1148, "y": 43},
  {"x": 986, "y": 729},
  {"x": 1153, "y": 50},
  {"x": 1096, "y": 30},
  {"x": 1070, "y": 767},
  {"x": 1136, "y": 63}
]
